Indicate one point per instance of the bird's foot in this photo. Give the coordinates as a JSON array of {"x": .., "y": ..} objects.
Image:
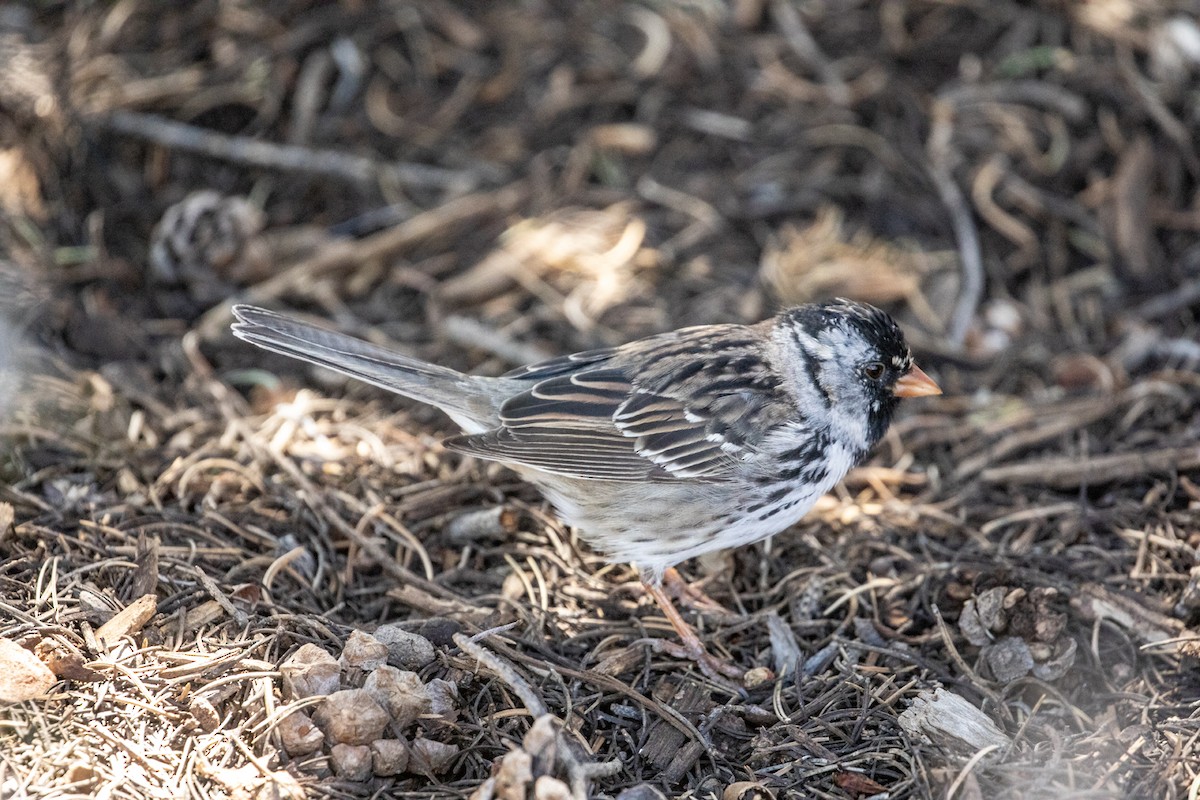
[
  {"x": 718, "y": 669},
  {"x": 692, "y": 596},
  {"x": 690, "y": 646}
]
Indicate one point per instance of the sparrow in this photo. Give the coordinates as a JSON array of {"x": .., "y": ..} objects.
[{"x": 667, "y": 447}]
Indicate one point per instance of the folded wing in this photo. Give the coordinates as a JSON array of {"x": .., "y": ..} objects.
[{"x": 630, "y": 416}]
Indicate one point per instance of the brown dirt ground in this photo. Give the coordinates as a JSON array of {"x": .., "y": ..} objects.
[{"x": 481, "y": 184}]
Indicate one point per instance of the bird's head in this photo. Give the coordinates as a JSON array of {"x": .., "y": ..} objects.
[{"x": 847, "y": 366}]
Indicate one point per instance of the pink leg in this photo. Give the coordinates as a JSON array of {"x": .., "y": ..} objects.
[{"x": 690, "y": 647}]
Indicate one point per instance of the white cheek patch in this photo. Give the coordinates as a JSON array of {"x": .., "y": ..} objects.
[{"x": 819, "y": 349}]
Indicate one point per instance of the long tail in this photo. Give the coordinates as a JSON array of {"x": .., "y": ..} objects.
[{"x": 466, "y": 399}]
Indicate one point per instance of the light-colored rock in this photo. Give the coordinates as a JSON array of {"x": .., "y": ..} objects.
[
  {"x": 364, "y": 652},
  {"x": 299, "y": 734},
  {"x": 351, "y": 716},
  {"x": 549, "y": 788},
  {"x": 430, "y": 757},
  {"x": 400, "y": 693},
  {"x": 443, "y": 699},
  {"x": 514, "y": 776},
  {"x": 406, "y": 650},
  {"x": 389, "y": 756},
  {"x": 311, "y": 672},
  {"x": 352, "y": 762},
  {"x": 22, "y": 675}
]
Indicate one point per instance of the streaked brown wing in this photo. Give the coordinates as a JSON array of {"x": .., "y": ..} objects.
[
  {"x": 591, "y": 456},
  {"x": 635, "y": 414},
  {"x": 576, "y": 425},
  {"x": 561, "y": 365}
]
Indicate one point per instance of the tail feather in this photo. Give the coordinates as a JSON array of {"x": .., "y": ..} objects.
[{"x": 466, "y": 399}]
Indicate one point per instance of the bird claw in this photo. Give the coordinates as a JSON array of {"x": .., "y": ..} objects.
[
  {"x": 726, "y": 675},
  {"x": 710, "y": 665},
  {"x": 690, "y": 646},
  {"x": 690, "y": 595}
]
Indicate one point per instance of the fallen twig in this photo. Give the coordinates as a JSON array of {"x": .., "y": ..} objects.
[
  {"x": 287, "y": 157},
  {"x": 340, "y": 254},
  {"x": 1068, "y": 473}
]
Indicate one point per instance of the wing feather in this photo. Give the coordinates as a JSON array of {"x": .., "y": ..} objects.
[
  {"x": 665, "y": 410},
  {"x": 572, "y": 453}
]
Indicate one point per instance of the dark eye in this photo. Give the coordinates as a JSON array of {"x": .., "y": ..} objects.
[{"x": 874, "y": 370}]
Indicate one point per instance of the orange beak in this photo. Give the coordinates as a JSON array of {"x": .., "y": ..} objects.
[{"x": 915, "y": 383}]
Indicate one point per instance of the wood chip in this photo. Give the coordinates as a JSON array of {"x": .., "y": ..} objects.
[
  {"x": 203, "y": 614},
  {"x": 65, "y": 661},
  {"x": 859, "y": 783},
  {"x": 665, "y": 745},
  {"x": 421, "y": 600},
  {"x": 145, "y": 578},
  {"x": 128, "y": 621},
  {"x": 785, "y": 650},
  {"x": 948, "y": 721}
]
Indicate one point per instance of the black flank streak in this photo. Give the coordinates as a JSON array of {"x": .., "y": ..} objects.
[
  {"x": 808, "y": 451},
  {"x": 779, "y": 494},
  {"x": 737, "y": 344}
]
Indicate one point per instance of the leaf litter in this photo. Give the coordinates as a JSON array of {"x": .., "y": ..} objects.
[{"x": 225, "y": 576}]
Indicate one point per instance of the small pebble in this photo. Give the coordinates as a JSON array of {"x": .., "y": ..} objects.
[
  {"x": 311, "y": 672},
  {"x": 757, "y": 677},
  {"x": 299, "y": 735},
  {"x": 400, "y": 693},
  {"x": 405, "y": 650},
  {"x": 389, "y": 756},
  {"x": 352, "y": 762},
  {"x": 364, "y": 652},
  {"x": 430, "y": 757},
  {"x": 351, "y": 716},
  {"x": 443, "y": 697}
]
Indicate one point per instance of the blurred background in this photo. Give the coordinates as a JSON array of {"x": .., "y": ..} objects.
[{"x": 486, "y": 184}]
